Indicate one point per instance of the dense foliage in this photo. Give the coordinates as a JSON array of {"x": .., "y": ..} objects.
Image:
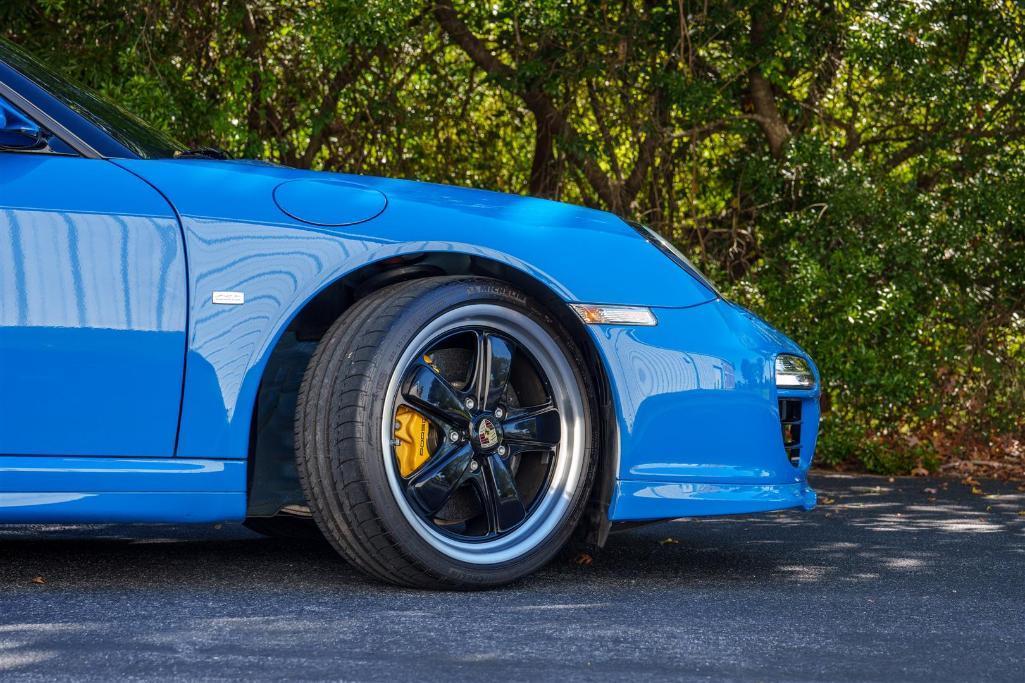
[{"x": 854, "y": 171}]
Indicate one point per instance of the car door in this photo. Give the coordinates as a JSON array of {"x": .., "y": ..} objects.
[{"x": 92, "y": 310}]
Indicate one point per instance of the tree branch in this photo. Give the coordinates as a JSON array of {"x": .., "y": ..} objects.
[
  {"x": 599, "y": 117},
  {"x": 341, "y": 79},
  {"x": 449, "y": 20},
  {"x": 763, "y": 99},
  {"x": 826, "y": 70},
  {"x": 552, "y": 123}
]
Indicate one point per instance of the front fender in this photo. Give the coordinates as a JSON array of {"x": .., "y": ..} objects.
[
  {"x": 230, "y": 346},
  {"x": 237, "y": 239}
]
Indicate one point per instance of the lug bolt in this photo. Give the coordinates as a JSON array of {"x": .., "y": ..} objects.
[
  {"x": 470, "y": 404},
  {"x": 398, "y": 425},
  {"x": 499, "y": 413},
  {"x": 453, "y": 436},
  {"x": 501, "y": 450},
  {"x": 473, "y": 465}
]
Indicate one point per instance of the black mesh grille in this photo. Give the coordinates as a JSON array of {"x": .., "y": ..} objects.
[{"x": 790, "y": 422}]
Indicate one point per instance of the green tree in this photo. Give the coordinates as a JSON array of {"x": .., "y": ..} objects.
[{"x": 852, "y": 171}]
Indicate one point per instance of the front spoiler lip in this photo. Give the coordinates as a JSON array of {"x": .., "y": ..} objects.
[{"x": 651, "y": 500}]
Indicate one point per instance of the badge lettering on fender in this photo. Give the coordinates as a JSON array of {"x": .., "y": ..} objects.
[{"x": 229, "y": 298}]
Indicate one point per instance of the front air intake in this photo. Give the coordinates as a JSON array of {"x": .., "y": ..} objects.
[{"x": 790, "y": 423}]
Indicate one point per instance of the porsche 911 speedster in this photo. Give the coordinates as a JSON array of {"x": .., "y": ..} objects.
[{"x": 450, "y": 385}]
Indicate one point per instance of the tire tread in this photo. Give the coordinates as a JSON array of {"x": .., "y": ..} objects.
[{"x": 330, "y": 429}]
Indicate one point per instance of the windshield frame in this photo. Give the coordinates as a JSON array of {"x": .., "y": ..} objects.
[{"x": 88, "y": 122}]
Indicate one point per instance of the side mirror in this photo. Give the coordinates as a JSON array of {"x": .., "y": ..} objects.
[{"x": 18, "y": 132}]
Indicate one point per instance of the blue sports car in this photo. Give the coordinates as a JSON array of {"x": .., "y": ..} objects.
[{"x": 450, "y": 385}]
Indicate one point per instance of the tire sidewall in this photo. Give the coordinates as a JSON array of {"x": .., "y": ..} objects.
[{"x": 405, "y": 328}]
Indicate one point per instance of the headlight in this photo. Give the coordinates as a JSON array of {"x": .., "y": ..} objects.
[
  {"x": 674, "y": 254},
  {"x": 793, "y": 372}
]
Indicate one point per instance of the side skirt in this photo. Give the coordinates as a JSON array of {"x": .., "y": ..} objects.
[{"x": 106, "y": 490}]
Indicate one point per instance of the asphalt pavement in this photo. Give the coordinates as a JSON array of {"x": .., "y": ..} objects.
[{"x": 902, "y": 580}]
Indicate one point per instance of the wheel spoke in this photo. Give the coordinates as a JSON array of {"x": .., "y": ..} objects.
[
  {"x": 539, "y": 426},
  {"x": 521, "y": 451},
  {"x": 514, "y": 449},
  {"x": 429, "y": 391},
  {"x": 491, "y": 369},
  {"x": 499, "y": 495},
  {"x": 443, "y": 474}
]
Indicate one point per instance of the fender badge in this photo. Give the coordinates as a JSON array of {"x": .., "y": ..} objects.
[{"x": 229, "y": 298}]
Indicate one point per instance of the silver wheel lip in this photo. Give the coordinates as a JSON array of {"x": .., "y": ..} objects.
[{"x": 569, "y": 466}]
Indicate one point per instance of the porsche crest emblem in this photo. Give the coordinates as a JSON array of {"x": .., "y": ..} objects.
[{"x": 487, "y": 434}]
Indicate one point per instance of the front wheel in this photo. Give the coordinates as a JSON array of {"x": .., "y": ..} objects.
[{"x": 444, "y": 434}]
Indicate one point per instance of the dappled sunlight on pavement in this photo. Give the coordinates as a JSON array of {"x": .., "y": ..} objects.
[{"x": 911, "y": 579}]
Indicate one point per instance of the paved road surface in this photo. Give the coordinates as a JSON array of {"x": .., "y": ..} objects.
[{"x": 912, "y": 580}]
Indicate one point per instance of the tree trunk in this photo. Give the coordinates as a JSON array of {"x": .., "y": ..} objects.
[
  {"x": 544, "y": 171},
  {"x": 769, "y": 119},
  {"x": 763, "y": 99}
]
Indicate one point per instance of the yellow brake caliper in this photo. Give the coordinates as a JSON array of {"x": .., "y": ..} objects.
[{"x": 412, "y": 430}]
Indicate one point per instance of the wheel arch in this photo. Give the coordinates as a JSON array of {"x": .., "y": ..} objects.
[{"x": 272, "y": 483}]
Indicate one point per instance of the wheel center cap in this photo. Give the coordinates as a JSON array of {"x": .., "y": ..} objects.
[{"x": 488, "y": 434}]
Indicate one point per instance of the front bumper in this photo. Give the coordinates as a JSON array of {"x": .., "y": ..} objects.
[
  {"x": 648, "y": 500},
  {"x": 697, "y": 416}
]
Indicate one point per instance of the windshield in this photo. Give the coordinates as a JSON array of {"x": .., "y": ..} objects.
[{"x": 119, "y": 124}]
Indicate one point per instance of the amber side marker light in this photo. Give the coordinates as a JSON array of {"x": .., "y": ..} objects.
[{"x": 594, "y": 314}]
